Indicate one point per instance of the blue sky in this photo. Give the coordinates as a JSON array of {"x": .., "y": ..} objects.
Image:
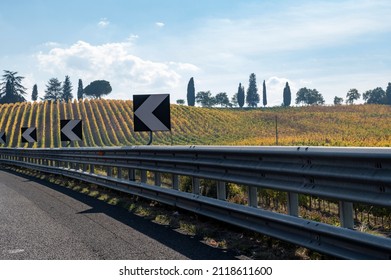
[{"x": 151, "y": 46}]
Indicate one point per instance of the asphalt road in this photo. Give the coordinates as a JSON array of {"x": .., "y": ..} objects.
[{"x": 40, "y": 220}]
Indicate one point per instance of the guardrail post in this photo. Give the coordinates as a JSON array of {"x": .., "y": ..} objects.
[
  {"x": 119, "y": 169},
  {"x": 144, "y": 176},
  {"x": 196, "y": 185},
  {"x": 293, "y": 204},
  {"x": 221, "y": 190},
  {"x": 158, "y": 179},
  {"x": 131, "y": 174},
  {"x": 92, "y": 168},
  {"x": 252, "y": 197},
  {"x": 109, "y": 171},
  {"x": 346, "y": 214},
  {"x": 175, "y": 181}
]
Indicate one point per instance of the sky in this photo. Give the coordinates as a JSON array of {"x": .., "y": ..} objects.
[{"x": 150, "y": 46}]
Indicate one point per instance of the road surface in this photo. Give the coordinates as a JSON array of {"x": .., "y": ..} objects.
[{"x": 40, "y": 220}]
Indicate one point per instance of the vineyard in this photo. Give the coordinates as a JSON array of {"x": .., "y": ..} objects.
[{"x": 110, "y": 123}]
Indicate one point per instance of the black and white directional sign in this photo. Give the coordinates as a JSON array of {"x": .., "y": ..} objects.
[
  {"x": 2, "y": 137},
  {"x": 29, "y": 134},
  {"x": 71, "y": 130},
  {"x": 151, "y": 112}
]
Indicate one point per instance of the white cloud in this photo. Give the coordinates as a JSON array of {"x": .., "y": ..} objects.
[
  {"x": 115, "y": 62},
  {"x": 159, "y": 24},
  {"x": 103, "y": 22}
]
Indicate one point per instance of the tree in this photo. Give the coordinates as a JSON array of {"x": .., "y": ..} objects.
[
  {"x": 241, "y": 95},
  {"x": 205, "y": 98},
  {"x": 287, "y": 96},
  {"x": 80, "y": 90},
  {"x": 222, "y": 99},
  {"x": 252, "y": 97},
  {"x": 11, "y": 89},
  {"x": 338, "y": 100},
  {"x": 67, "y": 90},
  {"x": 375, "y": 96},
  {"x": 309, "y": 97},
  {"x": 388, "y": 94},
  {"x": 264, "y": 99},
  {"x": 191, "y": 98},
  {"x": 34, "y": 94},
  {"x": 352, "y": 95},
  {"x": 53, "y": 90},
  {"x": 97, "y": 88},
  {"x": 234, "y": 100},
  {"x": 180, "y": 102}
]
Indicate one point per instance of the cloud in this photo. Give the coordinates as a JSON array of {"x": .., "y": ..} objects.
[
  {"x": 103, "y": 22},
  {"x": 159, "y": 24},
  {"x": 115, "y": 62}
]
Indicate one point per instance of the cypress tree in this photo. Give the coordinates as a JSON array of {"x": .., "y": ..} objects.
[
  {"x": 264, "y": 94},
  {"x": 80, "y": 90},
  {"x": 191, "y": 93},
  {"x": 252, "y": 97},
  {"x": 240, "y": 95},
  {"x": 34, "y": 94},
  {"x": 287, "y": 95},
  {"x": 67, "y": 90}
]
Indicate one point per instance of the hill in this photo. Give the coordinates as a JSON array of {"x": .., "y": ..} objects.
[{"x": 110, "y": 123}]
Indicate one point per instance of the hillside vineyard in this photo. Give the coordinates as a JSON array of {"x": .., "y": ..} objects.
[{"x": 110, "y": 123}]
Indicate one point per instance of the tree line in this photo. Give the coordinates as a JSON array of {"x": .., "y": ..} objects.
[
  {"x": 12, "y": 90},
  {"x": 304, "y": 96}
]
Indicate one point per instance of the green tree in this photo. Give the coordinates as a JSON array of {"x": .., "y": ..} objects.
[
  {"x": 264, "y": 98},
  {"x": 205, "y": 98},
  {"x": 287, "y": 96},
  {"x": 388, "y": 94},
  {"x": 11, "y": 88},
  {"x": 53, "y": 90},
  {"x": 309, "y": 97},
  {"x": 252, "y": 97},
  {"x": 234, "y": 100},
  {"x": 338, "y": 100},
  {"x": 191, "y": 98},
  {"x": 180, "y": 102},
  {"x": 375, "y": 96},
  {"x": 222, "y": 99},
  {"x": 34, "y": 94},
  {"x": 67, "y": 89},
  {"x": 80, "y": 90},
  {"x": 241, "y": 95},
  {"x": 98, "y": 88},
  {"x": 352, "y": 95}
]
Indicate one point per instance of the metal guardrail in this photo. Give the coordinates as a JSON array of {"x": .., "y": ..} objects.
[{"x": 347, "y": 175}]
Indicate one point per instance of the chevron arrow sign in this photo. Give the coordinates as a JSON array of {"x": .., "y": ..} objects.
[
  {"x": 152, "y": 112},
  {"x": 29, "y": 134},
  {"x": 2, "y": 137},
  {"x": 71, "y": 130}
]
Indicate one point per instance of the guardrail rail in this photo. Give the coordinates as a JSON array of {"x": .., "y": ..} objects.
[{"x": 347, "y": 175}]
